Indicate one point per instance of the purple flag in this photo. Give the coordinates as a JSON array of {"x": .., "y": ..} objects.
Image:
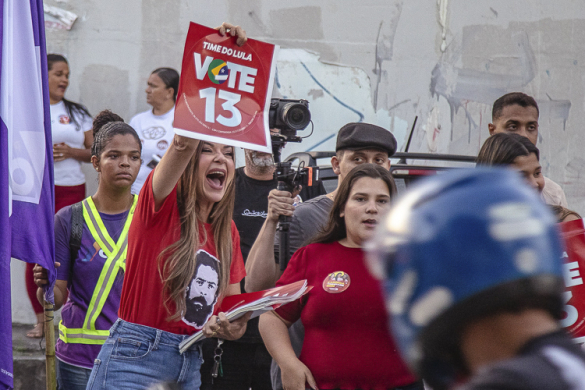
[{"x": 26, "y": 158}]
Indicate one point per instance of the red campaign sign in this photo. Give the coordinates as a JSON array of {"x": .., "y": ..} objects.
[
  {"x": 573, "y": 233},
  {"x": 225, "y": 90}
]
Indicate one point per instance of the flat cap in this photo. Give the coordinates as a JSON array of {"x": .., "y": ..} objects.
[{"x": 357, "y": 136}]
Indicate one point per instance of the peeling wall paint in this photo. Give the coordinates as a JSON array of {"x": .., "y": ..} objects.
[
  {"x": 337, "y": 95},
  {"x": 433, "y": 129},
  {"x": 442, "y": 8},
  {"x": 484, "y": 62},
  {"x": 58, "y": 18},
  {"x": 384, "y": 46},
  {"x": 459, "y": 85}
]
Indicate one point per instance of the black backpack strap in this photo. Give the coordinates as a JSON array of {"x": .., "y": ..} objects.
[{"x": 76, "y": 230}]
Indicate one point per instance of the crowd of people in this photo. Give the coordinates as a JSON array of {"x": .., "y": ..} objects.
[{"x": 174, "y": 227}]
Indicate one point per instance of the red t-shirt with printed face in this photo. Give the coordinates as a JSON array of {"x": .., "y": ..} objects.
[
  {"x": 347, "y": 344},
  {"x": 151, "y": 232}
]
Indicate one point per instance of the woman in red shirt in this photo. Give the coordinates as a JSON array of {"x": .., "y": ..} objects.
[
  {"x": 347, "y": 344},
  {"x": 183, "y": 258}
]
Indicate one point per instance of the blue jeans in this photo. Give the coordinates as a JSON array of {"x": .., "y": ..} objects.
[
  {"x": 136, "y": 357},
  {"x": 71, "y": 377}
]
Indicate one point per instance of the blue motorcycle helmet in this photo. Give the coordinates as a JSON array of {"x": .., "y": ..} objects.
[{"x": 458, "y": 247}]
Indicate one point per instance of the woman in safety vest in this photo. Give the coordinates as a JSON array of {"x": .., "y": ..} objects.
[{"x": 91, "y": 240}]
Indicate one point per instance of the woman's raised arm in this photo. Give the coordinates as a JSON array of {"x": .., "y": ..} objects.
[{"x": 171, "y": 167}]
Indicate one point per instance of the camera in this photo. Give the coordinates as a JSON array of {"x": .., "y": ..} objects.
[{"x": 289, "y": 116}]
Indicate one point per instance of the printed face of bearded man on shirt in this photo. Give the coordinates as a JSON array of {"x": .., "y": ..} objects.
[{"x": 202, "y": 292}]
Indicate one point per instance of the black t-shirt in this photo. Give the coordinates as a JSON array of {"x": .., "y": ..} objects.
[
  {"x": 250, "y": 208},
  {"x": 549, "y": 362},
  {"x": 250, "y": 212}
]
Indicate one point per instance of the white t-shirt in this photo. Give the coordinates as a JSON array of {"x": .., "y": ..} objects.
[
  {"x": 156, "y": 133},
  {"x": 553, "y": 194},
  {"x": 68, "y": 172}
]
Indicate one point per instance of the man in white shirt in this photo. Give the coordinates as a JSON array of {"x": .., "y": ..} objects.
[{"x": 518, "y": 113}]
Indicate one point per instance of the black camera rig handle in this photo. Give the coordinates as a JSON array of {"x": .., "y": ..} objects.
[
  {"x": 285, "y": 175},
  {"x": 283, "y": 232}
]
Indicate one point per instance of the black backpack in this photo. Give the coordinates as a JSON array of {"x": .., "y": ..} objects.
[{"x": 76, "y": 230}]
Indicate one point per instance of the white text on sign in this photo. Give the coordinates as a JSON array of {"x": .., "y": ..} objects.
[
  {"x": 246, "y": 79},
  {"x": 229, "y": 105},
  {"x": 572, "y": 275},
  {"x": 226, "y": 50},
  {"x": 572, "y": 278}
]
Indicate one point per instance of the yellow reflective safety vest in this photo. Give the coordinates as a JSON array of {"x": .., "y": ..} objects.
[{"x": 116, "y": 253}]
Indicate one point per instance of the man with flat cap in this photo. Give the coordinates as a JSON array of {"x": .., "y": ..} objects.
[{"x": 357, "y": 143}]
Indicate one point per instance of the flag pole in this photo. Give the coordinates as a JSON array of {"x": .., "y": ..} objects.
[{"x": 50, "y": 346}]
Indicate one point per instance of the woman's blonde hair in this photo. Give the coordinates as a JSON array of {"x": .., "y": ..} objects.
[{"x": 178, "y": 269}]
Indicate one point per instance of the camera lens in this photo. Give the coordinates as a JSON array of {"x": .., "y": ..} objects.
[{"x": 296, "y": 116}]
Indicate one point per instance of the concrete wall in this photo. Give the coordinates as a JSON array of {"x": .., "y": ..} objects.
[{"x": 386, "y": 62}]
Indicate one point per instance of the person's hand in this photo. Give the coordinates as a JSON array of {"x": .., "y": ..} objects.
[
  {"x": 281, "y": 203},
  {"x": 296, "y": 375},
  {"x": 62, "y": 151},
  {"x": 40, "y": 274},
  {"x": 219, "y": 326},
  {"x": 227, "y": 28}
]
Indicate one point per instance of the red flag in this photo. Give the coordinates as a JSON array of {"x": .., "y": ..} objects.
[
  {"x": 224, "y": 93},
  {"x": 574, "y": 271}
]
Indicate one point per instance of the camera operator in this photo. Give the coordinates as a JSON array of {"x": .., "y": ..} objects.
[
  {"x": 357, "y": 143},
  {"x": 246, "y": 362},
  {"x": 254, "y": 181}
]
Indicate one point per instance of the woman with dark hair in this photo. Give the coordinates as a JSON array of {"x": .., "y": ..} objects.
[
  {"x": 347, "y": 344},
  {"x": 519, "y": 152},
  {"x": 183, "y": 258},
  {"x": 515, "y": 151},
  {"x": 91, "y": 264},
  {"x": 155, "y": 126},
  {"x": 71, "y": 126}
]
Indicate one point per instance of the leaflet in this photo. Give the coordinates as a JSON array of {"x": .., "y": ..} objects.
[{"x": 236, "y": 306}]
